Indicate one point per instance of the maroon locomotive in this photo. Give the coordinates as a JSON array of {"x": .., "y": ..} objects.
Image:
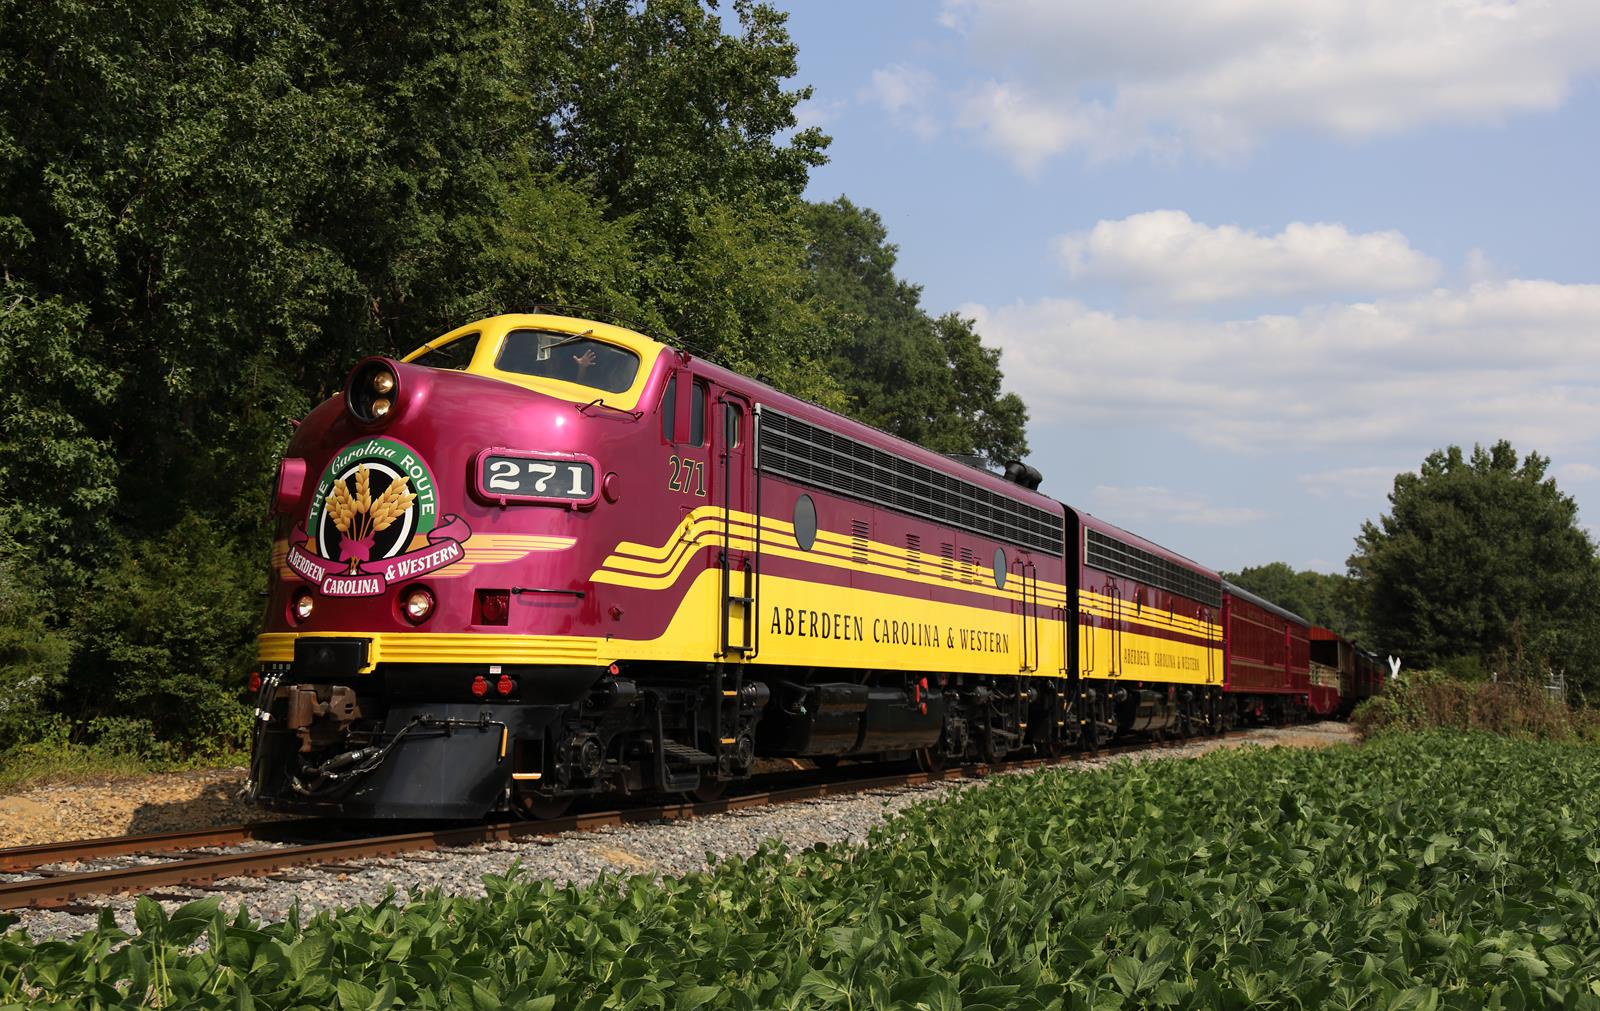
[{"x": 543, "y": 557}]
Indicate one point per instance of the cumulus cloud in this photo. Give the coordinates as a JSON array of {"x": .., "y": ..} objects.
[
  {"x": 1148, "y": 503},
  {"x": 1215, "y": 74},
  {"x": 1351, "y": 482},
  {"x": 1512, "y": 359},
  {"x": 909, "y": 94},
  {"x": 1574, "y": 473},
  {"x": 1169, "y": 255},
  {"x": 815, "y": 112}
]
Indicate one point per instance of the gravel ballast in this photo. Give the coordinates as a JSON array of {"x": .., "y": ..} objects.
[{"x": 658, "y": 849}]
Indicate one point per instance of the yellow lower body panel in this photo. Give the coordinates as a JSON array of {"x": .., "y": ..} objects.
[
  {"x": 805, "y": 624},
  {"x": 1134, "y": 656}
]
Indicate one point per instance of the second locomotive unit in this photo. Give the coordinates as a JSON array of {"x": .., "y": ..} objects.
[{"x": 543, "y": 557}]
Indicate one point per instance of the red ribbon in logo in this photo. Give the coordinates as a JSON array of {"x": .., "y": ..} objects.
[{"x": 373, "y": 578}]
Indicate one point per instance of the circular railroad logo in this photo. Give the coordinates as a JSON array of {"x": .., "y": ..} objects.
[{"x": 375, "y": 499}]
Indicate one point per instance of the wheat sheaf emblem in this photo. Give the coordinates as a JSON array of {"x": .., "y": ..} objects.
[{"x": 359, "y": 517}]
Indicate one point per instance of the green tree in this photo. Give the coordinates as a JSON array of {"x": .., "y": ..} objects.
[
  {"x": 209, "y": 211},
  {"x": 1321, "y": 598},
  {"x": 1479, "y": 565},
  {"x": 930, "y": 380}
]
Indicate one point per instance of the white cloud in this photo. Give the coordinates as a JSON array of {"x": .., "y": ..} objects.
[
  {"x": 1514, "y": 359},
  {"x": 909, "y": 94},
  {"x": 816, "y": 112},
  {"x": 1029, "y": 131},
  {"x": 1574, "y": 473},
  {"x": 1169, "y": 255},
  {"x": 1351, "y": 482},
  {"x": 1216, "y": 74},
  {"x": 1151, "y": 503}
]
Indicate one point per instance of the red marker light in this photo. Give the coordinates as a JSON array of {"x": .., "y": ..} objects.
[
  {"x": 480, "y": 687},
  {"x": 614, "y": 671},
  {"x": 505, "y": 686},
  {"x": 255, "y": 681},
  {"x": 494, "y": 607}
]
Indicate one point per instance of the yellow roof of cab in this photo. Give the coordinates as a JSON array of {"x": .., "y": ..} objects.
[{"x": 492, "y": 334}]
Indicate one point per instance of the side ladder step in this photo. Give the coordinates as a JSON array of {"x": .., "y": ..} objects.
[{"x": 683, "y": 754}]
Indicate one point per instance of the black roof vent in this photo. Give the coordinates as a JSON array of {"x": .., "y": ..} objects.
[{"x": 1018, "y": 472}]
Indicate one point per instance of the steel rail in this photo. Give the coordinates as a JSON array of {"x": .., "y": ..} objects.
[
  {"x": 61, "y": 889},
  {"x": 26, "y": 858}
]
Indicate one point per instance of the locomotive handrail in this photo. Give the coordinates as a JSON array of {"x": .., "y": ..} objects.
[
  {"x": 754, "y": 638},
  {"x": 583, "y": 409},
  {"x": 1033, "y": 582},
  {"x": 747, "y": 599}
]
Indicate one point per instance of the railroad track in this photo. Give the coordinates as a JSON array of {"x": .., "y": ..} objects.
[{"x": 55, "y": 889}]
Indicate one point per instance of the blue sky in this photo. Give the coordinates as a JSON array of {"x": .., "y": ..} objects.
[{"x": 1246, "y": 260}]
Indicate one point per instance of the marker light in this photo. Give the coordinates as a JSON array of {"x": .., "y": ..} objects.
[
  {"x": 255, "y": 681},
  {"x": 480, "y": 687},
  {"x": 505, "y": 686},
  {"x": 302, "y": 606},
  {"x": 417, "y": 604},
  {"x": 383, "y": 382},
  {"x": 380, "y": 407}
]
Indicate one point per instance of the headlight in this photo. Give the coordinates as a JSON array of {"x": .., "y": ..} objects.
[
  {"x": 416, "y": 604},
  {"x": 372, "y": 393},
  {"x": 302, "y": 606}
]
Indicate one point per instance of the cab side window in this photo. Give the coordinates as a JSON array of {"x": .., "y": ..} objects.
[
  {"x": 697, "y": 415},
  {"x": 669, "y": 410}
]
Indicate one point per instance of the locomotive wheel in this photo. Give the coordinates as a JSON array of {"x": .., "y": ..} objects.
[
  {"x": 1051, "y": 747},
  {"x": 1090, "y": 741},
  {"x": 539, "y": 807},
  {"x": 930, "y": 759},
  {"x": 709, "y": 790}
]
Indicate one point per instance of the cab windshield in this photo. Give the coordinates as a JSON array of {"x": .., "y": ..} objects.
[
  {"x": 570, "y": 358},
  {"x": 456, "y": 355}
]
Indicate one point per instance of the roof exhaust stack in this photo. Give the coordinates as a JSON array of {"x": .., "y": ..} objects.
[{"x": 1018, "y": 472}]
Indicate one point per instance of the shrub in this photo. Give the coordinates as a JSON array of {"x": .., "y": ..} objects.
[
  {"x": 166, "y": 638},
  {"x": 1426, "y": 700},
  {"x": 33, "y": 656}
]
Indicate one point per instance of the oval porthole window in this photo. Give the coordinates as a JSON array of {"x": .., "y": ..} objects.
[
  {"x": 805, "y": 522},
  {"x": 1000, "y": 568}
]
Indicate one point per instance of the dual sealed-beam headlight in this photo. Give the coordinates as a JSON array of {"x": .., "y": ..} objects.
[{"x": 372, "y": 391}]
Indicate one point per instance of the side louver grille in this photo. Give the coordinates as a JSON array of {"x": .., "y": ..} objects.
[{"x": 814, "y": 456}]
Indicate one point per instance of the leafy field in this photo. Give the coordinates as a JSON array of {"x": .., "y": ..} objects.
[{"x": 1416, "y": 871}]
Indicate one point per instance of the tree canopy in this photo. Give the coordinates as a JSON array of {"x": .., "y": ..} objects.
[
  {"x": 1319, "y": 597},
  {"x": 209, "y": 211},
  {"x": 1480, "y": 564},
  {"x": 927, "y": 379}
]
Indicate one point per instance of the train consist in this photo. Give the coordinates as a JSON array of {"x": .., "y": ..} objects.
[{"x": 543, "y": 557}]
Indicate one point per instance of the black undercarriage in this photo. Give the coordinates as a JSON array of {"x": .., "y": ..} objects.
[{"x": 462, "y": 741}]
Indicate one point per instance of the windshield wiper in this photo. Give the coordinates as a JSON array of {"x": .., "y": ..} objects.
[{"x": 568, "y": 340}]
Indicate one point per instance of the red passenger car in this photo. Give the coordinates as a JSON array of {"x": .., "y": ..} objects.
[
  {"x": 1359, "y": 673},
  {"x": 1268, "y": 659}
]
